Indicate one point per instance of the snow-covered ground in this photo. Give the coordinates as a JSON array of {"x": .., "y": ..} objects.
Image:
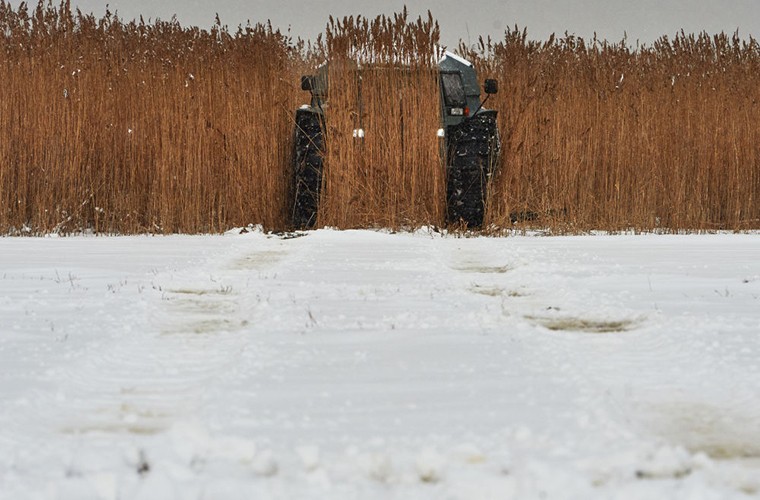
[{"x": 358, "y": 364}]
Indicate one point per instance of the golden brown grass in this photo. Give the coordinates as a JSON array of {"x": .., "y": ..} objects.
[
  {"x": 132, "y": 127},
  {"x": 600, "y": 136},
  {"x": 135, "y": 127},
  {"x": 382, "y": 80}
]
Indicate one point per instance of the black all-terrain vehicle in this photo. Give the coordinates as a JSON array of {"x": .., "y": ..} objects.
[{"x": 469, "y": 132}]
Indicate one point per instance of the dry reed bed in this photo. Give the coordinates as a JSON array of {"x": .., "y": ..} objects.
[
  {"x": 138, "y": 127},
  {"x": 382, "y": 80},
  {"x": 135, "y": 127},
  {"x": 597, "y": 135}
]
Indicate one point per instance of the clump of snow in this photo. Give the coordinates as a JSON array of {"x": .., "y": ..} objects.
[
  {"x": 666, "y": 462},
  {"x": 250, "y": 228},
  {"x": 264, "y": 464},
  {"x": 378, "y": 466},
  {"x": 309, "y": 456},
  {"x": 430, "y": 466}
]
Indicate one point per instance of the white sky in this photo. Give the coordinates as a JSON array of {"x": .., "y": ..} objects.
[{"x": 643, "y": 20}]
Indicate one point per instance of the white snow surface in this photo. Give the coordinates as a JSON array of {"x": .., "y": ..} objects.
[{"x": 361, "y": 364}]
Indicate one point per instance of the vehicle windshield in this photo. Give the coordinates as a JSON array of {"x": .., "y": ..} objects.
[{"x": 453, "y": 89}]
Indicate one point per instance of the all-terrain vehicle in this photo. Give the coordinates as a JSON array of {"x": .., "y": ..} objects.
[{"x": 470, "y": 143}]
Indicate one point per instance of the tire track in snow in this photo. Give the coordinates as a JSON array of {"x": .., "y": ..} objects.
[
  {"x": 145, "y": 376},
  {"x": 499, "y": 277},
  {"x": 145, "y": 379},
  {"x": 580, "y": 351},
  {"x": 630, "y": 379},
  {"x": 373, "y": 301}
]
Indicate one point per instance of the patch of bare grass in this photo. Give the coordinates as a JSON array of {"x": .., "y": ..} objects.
[{"x": 574, "y": 324}]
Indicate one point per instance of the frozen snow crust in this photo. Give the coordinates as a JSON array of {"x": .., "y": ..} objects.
[{"x": 357, "y": 364}]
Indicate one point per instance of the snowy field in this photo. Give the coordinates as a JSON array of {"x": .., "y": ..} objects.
[{"x": 366, "y": 365}]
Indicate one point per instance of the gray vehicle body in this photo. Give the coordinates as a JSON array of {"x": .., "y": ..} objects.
[{"x": 460, "y": 90}]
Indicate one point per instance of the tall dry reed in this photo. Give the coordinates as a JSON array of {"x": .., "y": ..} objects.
[
  {"x": 598, "y": 135},
  {"x": 135, "y": 127},
  {"x": 382, "y": 84},
  {"x": 127, "y": 127}
]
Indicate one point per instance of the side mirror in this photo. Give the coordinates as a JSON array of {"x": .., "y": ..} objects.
[
  {"x": 307, "y": 82},
  {"x": 491, "y": 86}
]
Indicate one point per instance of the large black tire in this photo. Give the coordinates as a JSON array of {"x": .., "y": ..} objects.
[
  {"x": 307, "y": 159},
  {"x": 471, "y": 154}
]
